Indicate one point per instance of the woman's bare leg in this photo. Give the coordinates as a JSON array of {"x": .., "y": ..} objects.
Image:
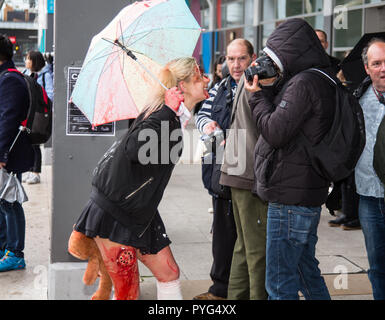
[
  {"x": 122, "y": 265},
  {"x": 166, "y": 271},
  {"x": 162, "y": 265}
]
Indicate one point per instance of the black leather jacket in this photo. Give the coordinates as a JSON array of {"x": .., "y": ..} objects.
[{"x": 127, "y": 187}]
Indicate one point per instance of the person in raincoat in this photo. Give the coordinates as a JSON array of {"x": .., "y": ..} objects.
[
  {"x": 36, "y": 68},
  {"x": 295, "y": 103},
  {"x": 128, "y": 184},
  {"x": 14, "y": 103}
]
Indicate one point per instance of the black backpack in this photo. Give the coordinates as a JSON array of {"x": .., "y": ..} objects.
[
  {"x": 336, "y": 155},
  {"x": 38, "y": 123}
]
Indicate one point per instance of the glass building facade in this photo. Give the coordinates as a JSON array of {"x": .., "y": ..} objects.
[
  {"x": 344, "y": 21},
  {"x": 19, "y": 21}
]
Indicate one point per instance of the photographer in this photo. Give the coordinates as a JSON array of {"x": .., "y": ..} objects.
[
  {"x": 214, "y": 118},
  {"x": 298, "y": 104}
]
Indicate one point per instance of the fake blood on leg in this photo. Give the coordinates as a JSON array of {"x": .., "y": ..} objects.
[{"x": 122, "y": 266}]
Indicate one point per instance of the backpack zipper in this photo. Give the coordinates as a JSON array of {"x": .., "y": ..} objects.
[{"x": 140, "y": 188}]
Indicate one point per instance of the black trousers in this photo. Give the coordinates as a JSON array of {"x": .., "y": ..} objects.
[
  {"x": 37, "y": 159},
  {"x": 224, "y": 236},
  {"x": 350, "y": 198},
  {"x": 344, "y": 197}
]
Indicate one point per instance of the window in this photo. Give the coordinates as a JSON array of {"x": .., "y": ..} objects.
[
  {"x": 290, "y": 8},
  {"x": 349, "y": 3},
  {"x": 232, "y": 13},
  {"x": 313, "y": 6},
  {"x": 282, "y": 9},
  {"x": 267, "y": 30},
  {"x": 317, "y": 22},
  {"x": 18, "y": 10},
  {"x": 205, "y": 14},
  {"x": 351, "y": 35},
  {"x": 268, "y": 10}
]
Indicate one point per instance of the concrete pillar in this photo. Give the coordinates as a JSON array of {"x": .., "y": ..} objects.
[{"x": 74, "y": 157}]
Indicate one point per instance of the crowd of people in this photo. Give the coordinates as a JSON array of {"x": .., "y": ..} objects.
[
  {"x": 266, "y": 191},
  {"x": 275, "y": 203}
]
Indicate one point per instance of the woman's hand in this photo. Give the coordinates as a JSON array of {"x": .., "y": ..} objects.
[
  {"x": 210, "y": 127},
  {"x": 173, "y": 98}
]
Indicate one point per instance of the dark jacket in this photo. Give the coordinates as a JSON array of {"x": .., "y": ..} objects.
[
  {"x": 223, "y": 103},
  {"x": 335, "y": 64},
  {"x": 14, "y": 103},
  {"x": 361, "y": 89},
  {"x": 303, "y": 104},
  {"x": 126, "y": 187},
  {"x": 220, "y": 112}
]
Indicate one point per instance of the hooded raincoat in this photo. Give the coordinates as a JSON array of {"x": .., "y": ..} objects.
[{"x": 300, "y": 103}]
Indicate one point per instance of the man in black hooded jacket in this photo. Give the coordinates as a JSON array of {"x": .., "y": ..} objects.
[{"x": 298, "y": 104}]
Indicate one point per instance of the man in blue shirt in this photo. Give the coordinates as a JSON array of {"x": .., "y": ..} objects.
[{"x": 369, "y": 187}]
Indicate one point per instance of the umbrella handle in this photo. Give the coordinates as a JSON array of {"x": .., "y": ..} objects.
[{"x": 21, "y": 128}]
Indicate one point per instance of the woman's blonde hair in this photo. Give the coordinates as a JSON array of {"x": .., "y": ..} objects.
[{"x": 170, "y": 75}]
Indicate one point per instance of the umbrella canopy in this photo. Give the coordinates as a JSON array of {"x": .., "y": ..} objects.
[
  {"x": 11, "y": 189},
  {"x": 123, "y": 60},
  {"x": 353, "y": 66}
]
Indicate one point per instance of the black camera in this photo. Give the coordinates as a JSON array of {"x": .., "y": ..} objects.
[{"x": 264, "y": 68}]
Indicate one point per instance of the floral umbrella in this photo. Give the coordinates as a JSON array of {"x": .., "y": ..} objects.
[{"x": 120, "y": 68}]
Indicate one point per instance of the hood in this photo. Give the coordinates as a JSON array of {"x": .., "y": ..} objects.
[{"x": 295, "y": 47}]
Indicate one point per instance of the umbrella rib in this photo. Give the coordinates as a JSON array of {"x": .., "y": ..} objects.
[
  {"x": 107, "y": 66},
  {"x": 105, "y": 55},
  {"x": 138, "y": 20},
  {"x": 136, "y": 25},
  {"x": 147, "y": 32},
  {"x": 100, "y": 75},
  {"x": 145, "y": 35},
  {"x": 132, "y": 56},
  {"x": 165, "y": 28},
  {"x": 121, "y": 31},
  {"x": 112, "y": 42}
]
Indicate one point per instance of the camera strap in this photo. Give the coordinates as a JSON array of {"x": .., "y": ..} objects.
[{"x": 235, "y": 101}]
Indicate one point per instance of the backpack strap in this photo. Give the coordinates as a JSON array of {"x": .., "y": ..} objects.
[
  {"x": 8, "y": 70},
  {"x": 43, "y": 78},
  {"x": 325, "y": 75}
]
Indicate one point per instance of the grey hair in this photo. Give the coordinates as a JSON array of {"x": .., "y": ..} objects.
[{"x": 365, "y": 50}]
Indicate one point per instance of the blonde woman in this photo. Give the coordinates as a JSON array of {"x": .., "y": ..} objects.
[{"x": 129, "y": 182}]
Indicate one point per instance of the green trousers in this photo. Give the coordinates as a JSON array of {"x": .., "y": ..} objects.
[{"x": 247, "y": 275}]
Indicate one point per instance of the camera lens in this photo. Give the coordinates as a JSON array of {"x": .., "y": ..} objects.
[{"x": 264, "y": 68}]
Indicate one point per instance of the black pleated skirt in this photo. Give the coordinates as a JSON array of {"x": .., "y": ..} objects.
[{"x": 94, "y": 221}]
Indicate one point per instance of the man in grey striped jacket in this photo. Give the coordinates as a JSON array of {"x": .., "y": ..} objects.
[{"x": 215, "y": 114}]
